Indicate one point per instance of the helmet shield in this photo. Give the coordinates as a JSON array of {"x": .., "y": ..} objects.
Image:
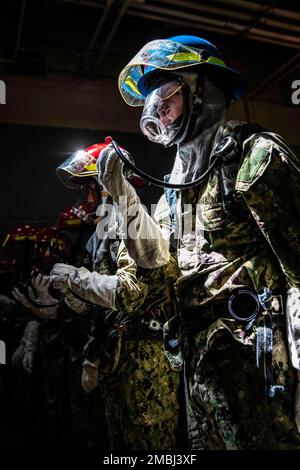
[
  {"x": 163, "y": 112},
  {"x": 161, "y": 54},
  {"x": 81, "y": 164}
]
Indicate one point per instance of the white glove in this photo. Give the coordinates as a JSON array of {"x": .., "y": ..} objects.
[
  {"x": 110, "y": 175},
  {"x": 60, "y": 275},
  {"x": 90, "y": 375},
  {"x": 145, "y": 241},
  {"x": 99, "y": 289},
  {"x": 293, "y": 325}
]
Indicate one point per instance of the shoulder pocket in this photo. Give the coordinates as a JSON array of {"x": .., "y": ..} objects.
[{"x": 254, "y": 164}]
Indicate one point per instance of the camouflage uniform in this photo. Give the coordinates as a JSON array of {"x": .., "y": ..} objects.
[
  {"x": 253, "y": 244},
  {"x": 141, "y": 393},
  {"x": 125, "y": 353}
]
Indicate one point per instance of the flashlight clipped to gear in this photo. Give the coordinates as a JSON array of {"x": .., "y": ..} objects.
[{"x": 156, "y": 182}]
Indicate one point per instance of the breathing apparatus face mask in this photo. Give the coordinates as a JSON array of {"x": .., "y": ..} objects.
[
  {"x": 192, "y": 122},
  {"x": 168, "y": 108},
  {"x": 164, "y": 110}
]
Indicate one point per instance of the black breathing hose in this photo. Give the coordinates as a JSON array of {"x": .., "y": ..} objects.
[{"x": 155, "y": 181}]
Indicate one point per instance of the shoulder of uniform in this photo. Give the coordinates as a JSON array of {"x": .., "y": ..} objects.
[{"x": 257, "y": 152}]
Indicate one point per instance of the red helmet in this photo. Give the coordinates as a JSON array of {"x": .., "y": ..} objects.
[
  {"x": 83, "y": 164},
  {"x": 68, "y": 219},
  {"x": 80, "y": 164},
  {"x": 51, "y": 246},
  {"x": 20, "y": 233},
  {"x": 72, "y": 217}
]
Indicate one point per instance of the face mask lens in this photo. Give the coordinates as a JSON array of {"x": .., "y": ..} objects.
[
  {"x": 153, "y": 128},
  {"x": 163, "y": 112}
]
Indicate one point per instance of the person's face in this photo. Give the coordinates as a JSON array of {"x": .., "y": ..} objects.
[{"x": 170, "y": 104}]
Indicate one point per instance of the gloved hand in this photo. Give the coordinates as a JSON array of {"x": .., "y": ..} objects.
[
  {"x": 110, "y": 175},
  {"x": 41, "y": 285},
  {"x": 60, "y": 275},
  {"x": 90, "y": 375},
  {"x": 145, "y": 241},
  {"x": 99, "y": 289},
  {"x": 42, "y": 304},
  {"x": 293, "y": 325},
  {"x": 24, "y": 355}
]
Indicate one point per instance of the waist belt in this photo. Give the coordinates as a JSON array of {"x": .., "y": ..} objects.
[
  {"x": 143, "y": 330},
  {"x": 138, "y": 329}
]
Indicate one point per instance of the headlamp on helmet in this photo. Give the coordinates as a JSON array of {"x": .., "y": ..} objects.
[{"x": 81, "y": 166}]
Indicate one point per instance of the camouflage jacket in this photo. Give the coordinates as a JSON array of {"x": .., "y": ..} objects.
[
  {"x": 256, "y": 247},
  {"x": 139, "y": 288}
]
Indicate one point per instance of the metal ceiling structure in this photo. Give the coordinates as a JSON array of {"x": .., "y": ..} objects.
[{"x": 94, "y": 38}]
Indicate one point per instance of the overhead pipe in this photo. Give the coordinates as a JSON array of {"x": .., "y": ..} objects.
[
  {"x": 280, "y": 73},
  {"x": 292, "y": 15},
  {"x": 178, "y": 22},
  {"x": 233, "y": 13},
  {"x": 84, "y": 3},
  {"x": 276, "y": 42},
  {"x": 112, "y": 31},
  {"x": 189, "y": 16},
  {"x": 257, "y": 20},
  {"x": 18, "y": 40},
  {"x": 98, "y": 28},
  {"x": 222, "y": 24}
]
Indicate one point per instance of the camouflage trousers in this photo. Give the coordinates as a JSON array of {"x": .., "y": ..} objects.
[
  {"x": 141, "y": 399},
  {"x": 226, "y": 406}
]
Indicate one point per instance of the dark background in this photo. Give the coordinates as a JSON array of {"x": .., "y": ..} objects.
[
  {"x": 60, "y": 60},
  {"x": 31, "y": 192}
]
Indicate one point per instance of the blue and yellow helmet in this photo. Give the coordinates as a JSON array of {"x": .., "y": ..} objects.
[{"x": 176, "y": 53}]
